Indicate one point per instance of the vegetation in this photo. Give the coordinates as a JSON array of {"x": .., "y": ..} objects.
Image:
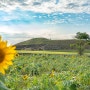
[
  {"x": 46, "y": 44},
  {"x": 81, "y": 43},
  {"x": 83, "y": 36},
  {"x": 34, "y": 41},
  {"x": 49, "y": 72},
  {"x": 46, "y": 70},
  {"x": 7, "y": 54},
  {"x": 52, "y": 52}
]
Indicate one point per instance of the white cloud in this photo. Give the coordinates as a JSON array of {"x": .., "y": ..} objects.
[
  {"x": 19, "y": 37},
  {"x": 47, "y": 6},
  {"x": 8, "y": 29},
  {"x": 15, "y": 34},
  {"x": 18, "y": 33}
]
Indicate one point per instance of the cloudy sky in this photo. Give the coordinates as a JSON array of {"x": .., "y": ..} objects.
[{"x": 54, "y": 19}]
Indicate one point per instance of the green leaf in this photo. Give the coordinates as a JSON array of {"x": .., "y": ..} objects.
[
  {"x": 63, "y": 88},
  {"x": 2, "y": 78},
  {"x": 2, "y": 86},
  {"x": 73, "y": 87}
]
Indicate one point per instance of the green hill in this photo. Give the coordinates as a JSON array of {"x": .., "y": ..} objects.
[
  {"x": 34, "y": 41},
  {"x": 45, "y": 44}
]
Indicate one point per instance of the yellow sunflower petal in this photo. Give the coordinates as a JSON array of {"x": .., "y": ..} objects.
[
  {"x": 2, "y": 70},
  {"x": 3, "y": 44},
  {"x": 5, "y": 67},
  {"x": 7, "y": 54},
  {"x": 9, "y": 63}
]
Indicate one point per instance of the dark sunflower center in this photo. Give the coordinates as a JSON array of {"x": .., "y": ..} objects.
[{"x": 2, "y": 55}]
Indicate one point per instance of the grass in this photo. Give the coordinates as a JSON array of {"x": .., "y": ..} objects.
[
  {"x": 42, "y": 71},
  {"x": 50, "y": 52},
  {"x": 46, "y": 52}
]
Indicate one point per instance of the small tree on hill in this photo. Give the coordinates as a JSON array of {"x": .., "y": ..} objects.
[
  {"x": 82, "y": 36},
  {"x": 82, "y": 41}
]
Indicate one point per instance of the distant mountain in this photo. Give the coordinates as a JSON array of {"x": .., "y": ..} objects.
[{"x": 45, "y": 44}]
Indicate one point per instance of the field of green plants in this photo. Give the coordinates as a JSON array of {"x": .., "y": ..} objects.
[{"x": 49, "y": 72}]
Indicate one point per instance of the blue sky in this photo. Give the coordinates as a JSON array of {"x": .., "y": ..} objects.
[{"x": 54, "y": 19}]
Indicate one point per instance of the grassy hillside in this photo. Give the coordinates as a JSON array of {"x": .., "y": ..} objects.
[
  {"x": 46, "y": 44},
  {"x": 44, "y": 41},
  {"x": 34, "y": 41}
]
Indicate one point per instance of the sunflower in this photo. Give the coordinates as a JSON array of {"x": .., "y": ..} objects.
[
  {"x": 7, "y": 54},
  {"x": 25, "y": 77}
]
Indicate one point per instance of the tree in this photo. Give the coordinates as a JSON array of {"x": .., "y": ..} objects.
[
  {"x": 82, "y": 36},
  {"x": 82, "y": 41}
]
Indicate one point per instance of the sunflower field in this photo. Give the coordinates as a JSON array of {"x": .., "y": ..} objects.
[{"x": 48, "y": 72}]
